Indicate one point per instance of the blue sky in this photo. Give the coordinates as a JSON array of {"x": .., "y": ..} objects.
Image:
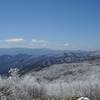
[{"x": 57, "y": 24}]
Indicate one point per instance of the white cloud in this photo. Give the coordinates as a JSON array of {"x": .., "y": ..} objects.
[
  {"x": 20, "y": 42},
  {"x": 66, "y": 44},
  {"x": 14, "y": 40},
  {"x": 39, "y": 42},
  {"x": 34, "y": 41},
  {"x": 42, "y": 41}
]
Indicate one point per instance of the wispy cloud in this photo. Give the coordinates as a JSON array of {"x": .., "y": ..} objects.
[
  {"x": 66, "y": 44},
  {"x": 34, "y": 40},
  {"x": 33, "y": 43},
  {"x": 14, "y": 40},
  {"x": 39, "y": 42}
]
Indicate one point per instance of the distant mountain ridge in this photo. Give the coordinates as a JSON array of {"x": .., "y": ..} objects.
[
  {"x": 36, "y": 59},
  {"x": 29, "y": 51}
]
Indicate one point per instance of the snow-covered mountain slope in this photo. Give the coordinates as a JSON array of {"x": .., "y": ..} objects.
[{"x": 70, "y": 72}]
